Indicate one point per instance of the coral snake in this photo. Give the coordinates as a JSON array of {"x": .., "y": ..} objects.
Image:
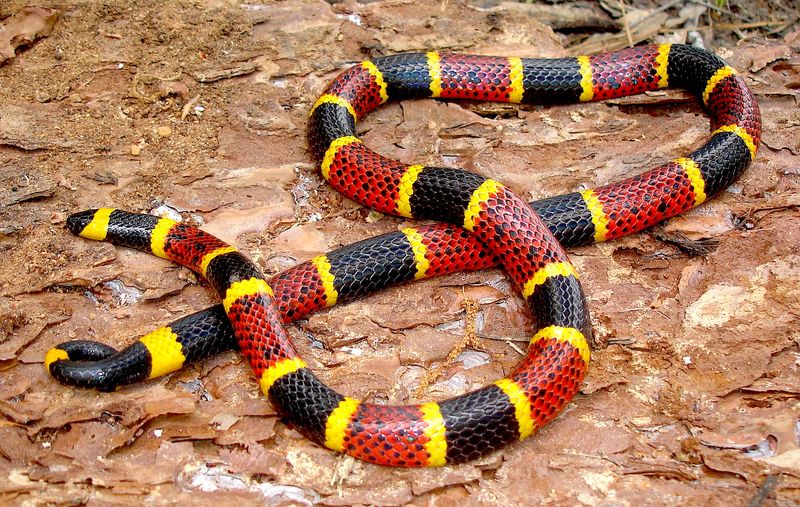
[{"x": 490, "y": 225}]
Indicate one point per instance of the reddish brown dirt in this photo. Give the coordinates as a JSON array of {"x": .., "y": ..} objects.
[{"x": 693, "y": 397}]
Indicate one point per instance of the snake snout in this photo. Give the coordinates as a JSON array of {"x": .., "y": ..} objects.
[{"x": 77, "y": 222}]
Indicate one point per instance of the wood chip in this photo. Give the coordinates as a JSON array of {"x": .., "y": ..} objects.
[
  {"x": 212, "y": 75},
  {"x": 25, "y": 27}
]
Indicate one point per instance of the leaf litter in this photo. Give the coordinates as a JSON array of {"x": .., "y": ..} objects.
[{"x": 200, "y": 108}]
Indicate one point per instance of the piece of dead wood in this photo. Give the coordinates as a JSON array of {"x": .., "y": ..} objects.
[
  {"x": 659, "y": 98},
  {"x": 561, "y": 17},
  {"x": 658, "y": 468},
  {"x": 23, "y": 28},
  {"x": 691, "y": 247},
  {"x": 18, "y": 186},
  {"x": 212, "y": 75},
  {"x": 764, "y": 491},
  {"x": 641, "y": 25},
  {"x": 189, "y": 106},
  {"x": 766, "y": 55},
  {"x": 32, "y": 127},
  {"x": 625, "y": 23},
  {"x": 103, "y": 177},
  {"x": 670, "y": 29}
]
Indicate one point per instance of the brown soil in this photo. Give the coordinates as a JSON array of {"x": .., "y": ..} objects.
[{"x": 199, "y": 108}]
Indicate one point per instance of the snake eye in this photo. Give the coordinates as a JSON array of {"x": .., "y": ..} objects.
[{"x": 77, "y": 222}]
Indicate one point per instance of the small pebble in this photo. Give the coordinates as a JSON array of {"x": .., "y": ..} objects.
[
  {"x": 136, "y": 149},
  {"x": 164, "y": 131}
]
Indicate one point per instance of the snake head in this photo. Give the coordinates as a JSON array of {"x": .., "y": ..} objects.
[{"x": 77, "y": 222}]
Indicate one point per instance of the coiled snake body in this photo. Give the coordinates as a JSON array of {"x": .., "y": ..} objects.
[{"x": 502, "y": 228}]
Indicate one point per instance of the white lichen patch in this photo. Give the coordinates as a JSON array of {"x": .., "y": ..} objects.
[{"x": 720, "y": 303}]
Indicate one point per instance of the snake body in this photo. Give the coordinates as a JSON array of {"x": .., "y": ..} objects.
[{"x": 503, "y": 227}]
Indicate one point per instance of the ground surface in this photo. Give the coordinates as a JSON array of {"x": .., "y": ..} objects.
[{"x": 199, "y": 107}]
